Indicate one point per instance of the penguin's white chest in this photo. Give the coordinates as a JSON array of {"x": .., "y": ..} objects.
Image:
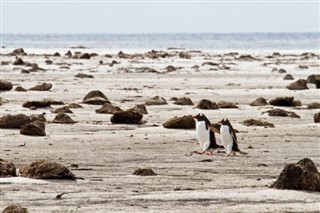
[
  {"x": 226, "y": 137},
  {"x": 203, "y": 134}
]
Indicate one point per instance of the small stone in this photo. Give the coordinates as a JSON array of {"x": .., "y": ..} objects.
[
  {"x": 95, "y": 97},
  {"x": 5, "y": 85},
  {"x": 282, "y": 71},
  {"x": 207, "y": 104},
  {"x": 144, "y": 172},
  {"x": 108, "y": 108},
  {"x": 19, "y": 51},
  {"x": 15, "y": 209},
  {"x": 282, "y": 113},
  {"x": 316, "y": 117},
  {"x": 300, "y": 84},
  {"x": 20, "y": 89},
  {"x": 156, "y": 101},
  {"x": 259, "y": 102},
  {"x": 74, "y": 106},
  {"x": 82, "y": 75},
  {"x": 36, "y": 128},
  {"x": 184, "y": 122},
  {"x": 288, "y": 77},
  {"x": 141, "y": 108},
  {"x": 224, "y": 104},
  {"x": 18, "y": 61},
  {"x": 170, "y": 68},
  {"x": 7, "y": 169},
  {"x": 85, "y": 56},
  {"x": 183, "y": 101},
  {"x": 126, "y": 117},
  {"x": 254, "y": 122},
  {"x": 314, "y": 105},
  {"x": 64, "y": 109},
  {"x": 184, "y": 55},
  {"x": 63, "y": 118},
  {"x": 42, "y": 87},
  {"x": 56, "y": 54}
]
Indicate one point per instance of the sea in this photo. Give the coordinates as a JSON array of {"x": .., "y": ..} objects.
[{"x": 162, "y": 41}]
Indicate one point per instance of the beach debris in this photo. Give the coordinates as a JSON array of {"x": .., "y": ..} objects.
[
  {"x": 184, "y": 122},
  {"x": 7, "y": 169},
  {"x": 316, "y": 117},
  {"x": 14, "y": 121},
  {"x": 183, "y": 101},
  {"x": 141, "y": 108},
  {"x": 299, "y": 176},
  {"x": 15, "y": 209},
  {"x": 108, "y": 108},
  {"x": 255, "y": 122},
  {"x": 207, "y": 104},
  {"x": 313, "y": 105},
  {"x": 288, "y": 77},
  {"x": 20, "y": 89},
  {"x": 18, "y": 61},
  {"x": 19, "y": 51},
  {"x": 41, "y": 87},
  {"x": 282, "y": 113},
  {"x": 184, "y": 54},
  {"x": 170, "y": 68},
  {"x": 225, "y": 104},
  {"x": 64, "y": 109},
  {"x": 82, "y": 75},
  {"x": 126, "y": 117},
  {"x": 35, "y": 128},
  {"x": 144, "y": 172},
  {"x": 95, "y": 97},
  {"x": 300, "y": 84},
  {"x": 285, "y": 101},
  {"x": 63, "y": 118},
  {"x": 74, "y": 106},
  {"x": 312, "y": 79},
  {"x": 157, "y": 100},
  {"x": 259, "y": 102},
  {"x": 44, "y": 169},
  {"x": 5, "y": 85}
]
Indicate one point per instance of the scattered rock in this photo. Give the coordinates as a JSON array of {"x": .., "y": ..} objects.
[
  {"x": 38, "y": 118},
  {"x": 63, "y": 118},
  {"x": 300, "y": 84},
  {"x": 141, "y": 108},
  {"x": 44, "y": 169},
  {"x": 282, "y": 71},
  {"x": 5, "y": 85},
  {"x": 156, "y": 101},
  {"x": 210, "y": 63},
  {"x": 108, "y": 108},
  {"x": 82, "y": 75},
  {"x": 282, "y": 101},
  {"x": 224, "y": 104},
  {"x": 36, "y": 128},
  {"x": 303, "y": 67},
  {"x": 314, "y": 105},
  {"x": 259, "y": 102},
  {"x": 288, "y": 77},
  {"x": 14, "y": 121},
  {"x": 184, "y": 54},
  {"x": 74, "y": 106},
  {"x": 15, "y": 209},
  {"x": 64, "y": 109},
  {"x": 19, "y": 51},
  {"x": 207, "y": 104},
  {"x": 42, "y": 87},
  {"x": 144, "y": 172},
  {"x": 36, "y": 104},
  {"x": 126, "y": 117},
  {"x": 48, "y": 62},
  {"x": 316, "y": 117},
  {"x": 246, "y": 58},
  {"x": 312, "y": 79},
  {"x": 7, "y": 169},
  {"x": 20, "y": 89},
  {"x": 282, "y": 113},
  {"x": 184, "y": 122},
  {"x": 18, "y": 61},
  {"x": 170, "y": 68},
  {"x": 254, "y": 122},
  {"x": 95, "y": 97},
  {"x": 183, "y": 101},
  {"x": 85, "y": 56},
  {"x": 299, "y": 176}
]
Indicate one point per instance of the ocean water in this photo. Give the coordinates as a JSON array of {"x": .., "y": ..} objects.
[{"x": 199, "y": 41}]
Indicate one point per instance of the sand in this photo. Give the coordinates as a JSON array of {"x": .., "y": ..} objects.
[{"x": 108, "y": 154}]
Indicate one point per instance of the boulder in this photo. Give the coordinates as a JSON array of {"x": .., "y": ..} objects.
[
  {"x": 183, "y": 101},
  {"x": 314, "y": 105},
  {"x": 20, "y": 89},
  {"x": 41, "y": 87},
  {"x": 63, "y": 118},
  {"x": 5, "y": 85},
  {"x": 246, "y": 58},
  {"x": 282, "y": 113},
  {"x": 74, "y": 106},
  {"x": 44, "y": 169},
  {"x": 170, "y": 68},
  {"x": 299, "y": 176},
  {"x": 37, "y": 104},
  {"x": 108, "y": 108},
  {"x": 157, "y": 100},
  {"x": 36, "y": 128},
  {"x": 7, "y": 169},
  {"x": 313, "y": 78},
  {"x": 64, "y": 109},
  {"x": 184, "y": 55},
  {"x": 95, "y": 97},
  {"x": 85, "y": 56},
  {"x": 254, "y": 122},
  {"x": 225, "y": 104},
  {"x": 126, "y": 117},
  {"x": 144, "y": 172},
  {"x": 82, "y": 75},
  {"x": 316, "y": 117},
  {"x": 15, "y": 209},
  {"x": 19, "y": 51},
  {"x": 141, "y": 108},
  {"x": 259, "y": 102},
  {"x": 207, "y": 104},
  {"x": 282, "y": 101},
  {"x": 14, "y": 121},
  {"x": 282, "y": 71},
  {"x": 56, "y": 54},
  {"x": 184, "y": 122},
  {"x": 48, "y": 62},
  {"x": 288, "y": 77},
  {"x": 38, "y": 117},
  {"x": 18, "y": 61},
  {"x": 300, "y": 84}
]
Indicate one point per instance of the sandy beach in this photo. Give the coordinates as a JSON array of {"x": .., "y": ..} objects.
[{"x": 107, "y": 154}]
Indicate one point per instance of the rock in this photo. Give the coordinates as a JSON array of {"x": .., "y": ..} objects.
[
  {"x": 282, "y": 71},
  {"x": 108, "y": 108},
  {"x": 5, "y": 85},
  {"x": 38, "y": 118},
  {"x": 282, "y": 113},
  {"x": 74, "y": 106},
  {"x": 314, "y": 105},
  {"x": 15, "y": 209},
  {"x": 170, "y": 68},
  {"x": 207, "y": 104},
  {"x": 23, "y": 71},
  {"x": 56, "y": 54},
  {"x": 156, "y": 101},
  {"x": 312, "y": 79},
  {"x": 288, "y": 77},
  {"x": 276, "y": 54},
  {"x": 44, "y": 169},
  {"x": 246, "y": 58},
  {"x": 95, "y": 97},
  {"x": 303, "y": 67},
  {"x": 282, "y": 101},
  {"x": 20, "y": 89},
  {"x": 36, "y": 104},
  {"x": 318, "y": 84},
  {"x": 36, "y": 128},
  {"x": 126, "y": 117},
  {"x": 183, "y": 101},
  {"x": 259, "y": 102},
  {"x": 300, "y": 84},
  {"x": 14, "y": 121},
  {"x": 19, "y": 51},
  {"x": 184, "y": 122},
  {"x": 63, "y": 118},
  {"x": 254, "y": 122},
  {"x": 68, "y": 54},
  {"x": 41, "y": 87},
  {"x": 82, "y": 75},
  {"x": 18, "y": 61},
  {"x": 48, "y": 62},
  {"x": 210, "y": 63},
  {"x": 316, "y": 117},
  {"x": 144, "y": 172},
  {"x": 299, "y": 176},
  {"x": 7, "y": 169},
  {"x": 85, "y": 56},
  {"x": 141, "y": 108},
  {"x": 184, "y": 55},
  {"x": 64, "y": 109},
  {"x": 224, "y": 104}
]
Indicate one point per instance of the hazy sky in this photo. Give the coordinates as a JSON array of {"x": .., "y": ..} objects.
[{"x": 153, "y": 17}]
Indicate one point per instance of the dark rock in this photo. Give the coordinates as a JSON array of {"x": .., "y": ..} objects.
[
  {"x": 183, "y": 101},
  {"x": 42, "y": 87},
  {"x": 7, "y": 169},
  {"x": 74, "y": 106},
  {"x": 63, "y": 118},
  {"x": 210, "y": 63},
  {"x": 314, "y": 105},
  {"x": 14, "y": 121},
  {"x": 282, "y": 113},
  {"x": 36, "y": 128},
  {"x": 64, "y": 109},
  {"x": 126, "y": 117},
  {"x": 207, "y": 104},
  {"x": 300, "y": 84},
  {"x": 312, "y": 79},
  {"x": 282, "y": 71},
  {"x": 5, "y": 85},
  {"x": 246, "y": 58},
  {"x": 18, "y": 61},
  {"x": 15, "y": 209},
  {"x": 303, "y": 67},
  {"x": 276, "y": 54},
  {"x": 24, "y": 71},
  {"x": 254, "y": 122},
  {"x": 299, "y": 176},
  {"x": 48, "y": 62},
  {"x": 108, "y": 108},
  {"x": 316, "y": 117},
  {"x": 82, "y": 75},
  {"x": 282, "y": 101},
  {"x": 259, "y": 102},
  {"x": 95, "y": 97},
  {"x": 318, "y": 84},
  {"x": 41, "y": 104},
  {"x": 144, "y": 172},
  {"x": 20, "y": 89},
  {"x": 288, "y": 77},
  {"x": 44, "y": 169},
  {"x": 19, "y": 51},
  {"x": 184, "y": 122},
  {"x": 56, "y": 54},
  {"x": 85, "y": 56},
  {"x": 156, "y": 101},
  {"x": 224, "y": 104},
  {"x": 141, "y": 108},
  {"x": 184, "y": 55},
  {"x": 38, "y": 118},
  {"x": 170, "y": 68}
]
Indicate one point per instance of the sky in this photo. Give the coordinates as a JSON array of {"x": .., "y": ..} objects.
[{"x": 159, "y": 17}]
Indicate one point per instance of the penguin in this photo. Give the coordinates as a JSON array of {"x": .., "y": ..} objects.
[
  {"x": 205, "y": 134},
  {"x": 229, "y": 138}
]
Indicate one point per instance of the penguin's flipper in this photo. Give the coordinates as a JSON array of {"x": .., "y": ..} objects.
[{"x": 213, "y": 129}]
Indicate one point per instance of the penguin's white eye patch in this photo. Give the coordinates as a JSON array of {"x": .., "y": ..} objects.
[{"x": 200, "y": 114}]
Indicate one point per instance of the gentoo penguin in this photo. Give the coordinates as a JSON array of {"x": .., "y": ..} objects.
[
  {"x": 229, "y": 138},
  {"x": 205, "y": 135}
]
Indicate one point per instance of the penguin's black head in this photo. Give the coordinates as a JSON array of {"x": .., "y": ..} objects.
[
  {"x": 199, "y": 117},
  {"x": 224, "y": 121}
]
